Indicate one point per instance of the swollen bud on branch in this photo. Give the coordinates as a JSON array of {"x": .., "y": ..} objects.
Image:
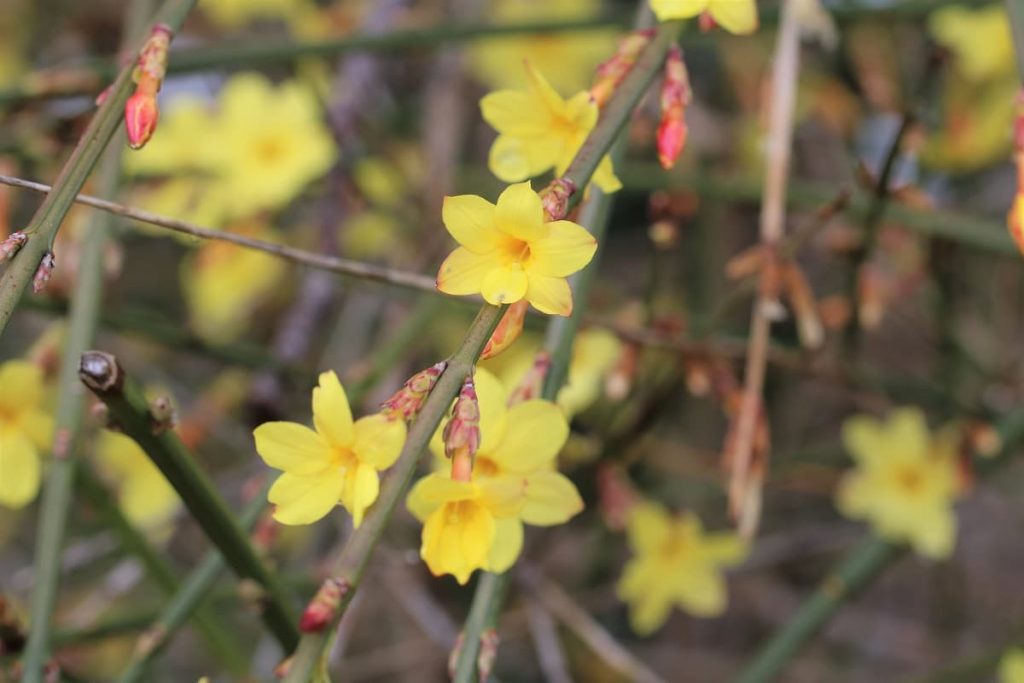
[
  {"x": 675, "y": 96},
  {"x": 322, "y": 609},
  {"x": 407, "y": 401},
  {"x": 531, "y": 385},
  {"x": 140, "y": 111},
  {"x": 1015, "y": 219},
  {"x": 611, "y": 72},
  {"x": 462, "y": 433},
  {"x": 555, "y": 198},
  {"x": 43, "y": 272},
  {"x": 507, "y": 331},
  {"x": 10, "y": 246}
]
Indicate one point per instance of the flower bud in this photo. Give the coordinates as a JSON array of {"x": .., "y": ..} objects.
[
  {"x": 675, "y": 96},
  {"x": 140, "y": 117},
  {"x": 462, "y": 433},
  {"x": 555, "y": 198},
  {"x": 407, "y": 401},
  {"x": 140, "y": 111},
  {"x": 532, "y": 383},
  {"x": 611, "y": 72},
  {"x": 321, "y": 610},
  {"x": 507, "y": 331},
  {"x": 10, "y": 246},
  {"x": 43, "y": 272}
]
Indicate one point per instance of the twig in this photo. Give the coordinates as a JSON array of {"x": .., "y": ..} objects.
[
  {"x": 483, "y": 616},
  {"x": 744, "y": 506},
  {"x": 130, "y": 411}
]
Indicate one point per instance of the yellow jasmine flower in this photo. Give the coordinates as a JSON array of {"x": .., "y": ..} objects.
[
  {"x": 675, "y": 564},
  {"x": 234, "y": 13},
  {"x": 225, "y": 284},
  {"x": 735, "y": 16},
  {"x": 186, "y": 141},
  {"x": 272, "y": 143},
  {"x": 461, "y": 520},
  {"x": 905, "y": 481},
  {"x": 509, "y": 253},
  {"x": 1011, "y": 667},
  {"x": 336, "y": 463},
  {"x": 25, "y": 429},
  {"x": 143, "y": 493},
  {"x": 539, "y": 130},
  {"x": 569, "y": 59},
  {"x": 977, "y": 118},
  {"x": 979, "y": 39}
]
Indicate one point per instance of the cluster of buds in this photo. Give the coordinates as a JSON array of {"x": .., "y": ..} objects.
[
  {"x": 675, "y": 97},
  {"x": 1015, "y": 219},
  {"x": 555, "y": 198},
  {"x": 611, "y": 72},
  {"x": 321, "y": 610},
  {"x": 531, "y": 386},
  {"x": 406, "y": 403},
  {"x": 10, "y": 246},
  {"x": 140, "y": 111},
  {"x": 462, "y": 433},
  {"x": 508, "y": 330},
  {"x": 44, "y": 272}
]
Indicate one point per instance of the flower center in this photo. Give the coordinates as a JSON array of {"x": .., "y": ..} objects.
[
  {"x": 517, "y": 252},
  {"x": 344, "y": 458},
  {"x": 456, "y": 511},
  {"x": 911, "y": 480},
  {"x": 485, "y": 467},
  {"x": 270, "y": 150}
]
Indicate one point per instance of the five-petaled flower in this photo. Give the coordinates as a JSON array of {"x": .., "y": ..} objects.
[
  {"x": 539, "y": 130},
  {"x": 509, "y": 253},
  {"x": 675, "y": 563},
  {"x": 735, "y": 16},
  {"x": 906, "y": 480},
  {"x": 25, "y": 429},
  {"x": 337, "y": 463}
]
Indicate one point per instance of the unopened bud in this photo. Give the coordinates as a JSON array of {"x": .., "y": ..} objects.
[
  {"x": 462, "y": 433},
  {"x": 675, "y": 96},
  {"x": 611, "y": 72},
  {"x": 489, "y": 640},
  {"x": 140, "y": 117},
  {"x": 407, "y": 401},
  {"x": 532, "y": 383},
  {"x": 322, "y": 609},
  {"x": 706, "y": 22},
  {"x": 104, "y": 94},
  {"x": 161, "y": 414},
  {"x": 555, "y": 198},
  {"x": 140, "y": 111},
  {"x": 507, "y": 331},
  {"x": 44, "y": 272},
  {"x": 10, "y": 246}
]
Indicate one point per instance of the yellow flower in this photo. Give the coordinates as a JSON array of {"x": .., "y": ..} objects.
[
  {"x": 142, "y": 491},
  {"x": 569, "y": 59},
  {"x": 25, "y": 429},
  {"x": 539, "y": 130},
  {"x": 186, "y": 141},
  {"x": 272, "y": 143},
  {"x": 233, "y": 13},
  {"x": 675, "y": 564},
  {"x": 336, "y": 463},
  {"x": 509, "y": 253},
  {"x": 461, "y": 520},
  {"x": 735, "y": 16},
  {"x": 905, "y": 482},
  {"x": 224, "y": 284},
  {"x": 977, "y": 118},
  {"x": 979, "y": 39},
  {"x": 1011, "y": 667}
]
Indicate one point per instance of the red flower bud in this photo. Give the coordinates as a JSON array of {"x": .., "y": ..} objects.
[
  {"x": 462, "y": 433},
  {"x": 611, "y": 72},
  {"x": 322, "y": 609},
  {"x": 407, "y": 401},
  {"x": 675, "y": 96},
  {"x": 140, "y": 117}
]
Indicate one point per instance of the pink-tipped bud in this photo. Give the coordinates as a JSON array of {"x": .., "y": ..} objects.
[
  {"x": 407, "y": 401},
  {"x": 43, "y": 272},
  {"x": 104, "y": 94},
  {"x": 611, "y": 72},
  {"x": 140, "y": 117},
  {"x": 532, "y": 384},
  {"x": 706, "y": 22},
  {"x": 462, "y": 433},
  {"x": 675, "y": 96},
  {"x": 489, "y": 641},
  {"x": 555, "y": 198},
  {"x": 507, "y": 331},
  {"x": 323, "y": 608},
  {"x": 10, "y": 246}
]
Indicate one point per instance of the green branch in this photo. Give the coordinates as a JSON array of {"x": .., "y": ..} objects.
[{"x": 129, "y": 410}]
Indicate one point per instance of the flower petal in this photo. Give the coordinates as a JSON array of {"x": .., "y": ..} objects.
[
  {"x": 292, "y": 447},
  {"x": 19, "y": 469},
  {"x": 463, "y": 272},
  {"x": 550, "y": 499},
  {"x": 491, "y": 396},
  {"x": 435, "y": 489},
  {"x": 566, "y": 249},
  {"x": 516, "y": 113},
  {"x": 725, "y": 549},
  {"x": 470, "y": 220},
  {"x": 700, "y": 590},
  {"x": 549, "y": 295},
  {"x": 21, "y": 385},
  {"x": 667, "y": 10},
  {"x": 362, "y": 485},
  {"x": 520, "y": 213},
  {"x": 648, "y": 528},
  {"x": 735, "y": 16},
  {"x": 543, "y": 90},
  {"x": 508, "y": 159},
  {"x": 503, "y": 496},
  {"x": 378, "y": 440},
  {"x": 305, "y": 499},
  {"x": 604, "y": 176},
  {"x": 331, "y": 413},
  {"x": 504, "y": 285},
  {"x": 457, "y": 538},
  {"x": 536, "y": 432},
  {"x": 507, "y": 544}
]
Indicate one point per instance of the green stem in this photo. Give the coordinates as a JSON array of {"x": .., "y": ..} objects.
[
  {"x": 42, "y": 228},
  {"x": 219, "y": 641},
  {"x": 186, "y": 601},
  {"x": 483, "y": 616},
  {"x": 130, "y": 411}
]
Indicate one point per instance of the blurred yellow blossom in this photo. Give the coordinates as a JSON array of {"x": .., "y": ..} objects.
[
  {"x": 508, "y": 252},
  {"x": 539, "y": 130},
  {"x": 905, "y": 482},
  {"x": 25, "y": 429},
  {"x": 337, "y": 463},
  {"x": 232, "y": 13},
  {"x": 675, "y": 563},
  {"x": 976, "y": 127},
  {"x": 143, "y": 493},
  {"x": 979, "y": 39},
  {"x": 569, "y": 59},
  {"x": 1011, "y": 667},
  {"x": 370, "y": 235},
  {"x": 735, "y": 16},
  {"x": 224, "y": 285},
  {"x": 187, "y": 141}
]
